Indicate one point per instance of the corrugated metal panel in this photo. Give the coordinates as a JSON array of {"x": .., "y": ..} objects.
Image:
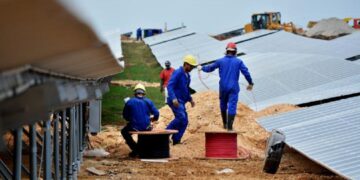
[
  {"x": 93, "y": 63},
  {"x": 249, "y": 36},
  {"x": 328, "y": 134},
  {"x": 204, "y": 47},
  {"x": 357, "y": 62},
  {"x": 308, "y": 114},
  {"x": 342, "y": 47},
  {"x": 114, "y": 42},
  {"x": 167, "y": 36},
  {"x": 43, "y": 34}
]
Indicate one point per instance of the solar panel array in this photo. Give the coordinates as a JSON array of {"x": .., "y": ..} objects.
[
  {"x": 161, "y": 38},
  {"x": 342, "y": 47},
  {"x": 290, "y": 78},
  {"x": 204, "y": 47},
  {"x": 286, "y": 68},
  {"x": 327, "y": 133},
  {"x": 250, "y": 36}
]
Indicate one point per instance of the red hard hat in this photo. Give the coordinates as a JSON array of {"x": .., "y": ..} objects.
[{"x": 231, "y": 46}]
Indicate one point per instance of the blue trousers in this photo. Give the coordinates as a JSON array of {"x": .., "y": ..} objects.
[
  {"x": 125, "y": 132},
  {"x": 228, "y": 101},
  {"x": 179, "y": 123}
]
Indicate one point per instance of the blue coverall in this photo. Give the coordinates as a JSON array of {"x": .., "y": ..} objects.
[
  {"x": 137, "y": 111},
  {"x": 229, "y": 70},
  {"x": 138, "y": 34},
  {"x": 178, "y": 88}
]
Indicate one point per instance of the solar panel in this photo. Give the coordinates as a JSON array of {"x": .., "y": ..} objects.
[
  {"x": 204, "y": 47},
  {"x": 159, "y": 38},
  {"x": 342, "y": 47},
  {"x": 327, "y": 133}
]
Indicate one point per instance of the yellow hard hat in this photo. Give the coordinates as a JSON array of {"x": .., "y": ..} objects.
[
  {"x": 190, "y": 59},
  {"x": 140, "y": 86}
]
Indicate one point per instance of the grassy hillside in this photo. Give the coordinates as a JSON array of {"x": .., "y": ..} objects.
[{"x": 140, "y": 64}]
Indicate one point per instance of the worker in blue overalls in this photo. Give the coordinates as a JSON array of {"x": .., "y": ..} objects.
[
  {"x": 179, "y": 95},
  {"x": 229, "y": 70},
  {"x": 137, "y": 112},
  {"x": 139, "y": 34}
]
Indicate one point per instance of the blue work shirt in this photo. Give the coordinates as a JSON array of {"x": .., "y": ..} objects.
[
  {"x": 229, "y": 70},
  {"x": 138, "y": 32},
  {"x": 138, "y": 110},
  {"x": 178, "y": 87}
]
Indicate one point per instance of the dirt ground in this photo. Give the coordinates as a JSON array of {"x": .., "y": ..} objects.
[
  {"x": 205, "y": 116},
  {"x": 132, "y": 83}
]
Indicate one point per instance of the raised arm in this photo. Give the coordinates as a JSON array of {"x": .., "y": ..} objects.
[{"x": 211, "y": 67}]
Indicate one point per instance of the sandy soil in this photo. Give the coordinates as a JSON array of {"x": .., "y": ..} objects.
[
  {"x": 132, "y": 83},
  {"x": 205, "y": 116}
]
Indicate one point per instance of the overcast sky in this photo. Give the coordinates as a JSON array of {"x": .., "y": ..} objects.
[{"x": 204, "y": 16}]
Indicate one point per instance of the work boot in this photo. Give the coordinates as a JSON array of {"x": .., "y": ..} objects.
[
  {"x": 133, "y": 154},
  {"x": 223, "y": 116},
  {"x": 230, "y": 122},
  {"x": 176, "y": 142}
]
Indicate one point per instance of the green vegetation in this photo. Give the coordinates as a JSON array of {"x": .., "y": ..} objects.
[{"x": 140, "y": 65}]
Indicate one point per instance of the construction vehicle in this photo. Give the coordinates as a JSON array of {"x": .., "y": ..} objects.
[
  {"x": 268, "y": 20},
  {"x": 311, "y": 24}
]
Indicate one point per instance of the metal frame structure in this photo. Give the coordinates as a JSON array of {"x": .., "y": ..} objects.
[
  {"x": 50, "y": 132},
  {"x": 52, "y": 66}
]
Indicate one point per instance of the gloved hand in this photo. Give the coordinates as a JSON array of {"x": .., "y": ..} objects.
[
  {"x": 199, "y": 67},
  {"x": 250, "y": 87},
  {"x": 152, "y": 119},
  {"x": 192, "y": 103},
  {"x": 126, "y": 99},
  {"x": 175, "y": 103}
]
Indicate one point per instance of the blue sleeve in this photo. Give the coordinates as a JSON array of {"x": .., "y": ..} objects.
[
  {"x": 211, "y": 67},
  {"x": 171, "y": 85},
  {"x": 244, "y": 70},
  {"x": 154, "y": 111},
  {"x": 189, "y": 95},
  {"x": 126, "y": 112}
]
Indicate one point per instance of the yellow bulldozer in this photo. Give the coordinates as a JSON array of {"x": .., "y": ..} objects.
[{"x": 268, "y": 20}]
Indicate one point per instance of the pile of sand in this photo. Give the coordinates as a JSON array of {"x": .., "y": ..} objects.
[
  {"x": 205, "y": 116},
  {"x": 133, "y": 83},
  {"x": 331, "y": 27}
]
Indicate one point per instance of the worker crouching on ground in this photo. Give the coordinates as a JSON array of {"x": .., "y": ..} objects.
[
  {"x": 179, "y": 95},
  {"x": 165, "y": 77},
  {"x": 137, "y": 112},
  {"x": 229, "y": 71}
]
